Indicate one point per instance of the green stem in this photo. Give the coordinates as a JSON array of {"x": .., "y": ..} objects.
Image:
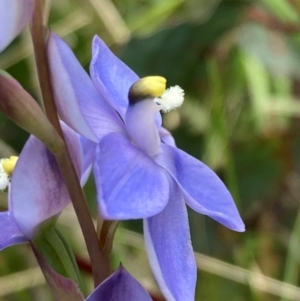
[
  {"x": 293, "y": 259},
  {"x": 100, "y": 265},
  {"x": 108, "y": 231}
]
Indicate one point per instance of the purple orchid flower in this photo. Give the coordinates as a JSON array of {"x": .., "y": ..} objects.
[
  {"x": 37, "y": 191},
  {"x": 138, "y": 170},
  {"x": 14, "y": 15}
]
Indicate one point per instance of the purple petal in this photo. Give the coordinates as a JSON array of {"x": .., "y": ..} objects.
[
  {"x": 168, "y": 243},
  {"x": 166, "y": 137},
  {"x": 88, "y": 148},
  {"x": 10, "y": 234},
  {"x": 129, "y": 183},
  {"x": 141, "y": 126},
  {"x": 37, "y": 189},
  {"x": 62, "y": 288},
  {"x": 111, "y": 76},
  {"x": 14, "y": 15},
  {"x": 120, "y": 286},
  {"x": 79, "y": 103},
  {"x": 202, "y": 188}
]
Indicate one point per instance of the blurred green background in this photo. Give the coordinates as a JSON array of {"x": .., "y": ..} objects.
[{"x": 239, "y": 64}]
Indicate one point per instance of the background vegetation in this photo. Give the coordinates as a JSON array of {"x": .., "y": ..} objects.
[{"x": 239, "y": 64}]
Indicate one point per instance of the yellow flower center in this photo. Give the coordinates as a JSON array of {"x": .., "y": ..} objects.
[{"x": 9, "y": 165}]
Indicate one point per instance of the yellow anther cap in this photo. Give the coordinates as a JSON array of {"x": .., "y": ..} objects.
[
  {"x": 9, "y": 165},
  {"x": 147, "y": 87}
]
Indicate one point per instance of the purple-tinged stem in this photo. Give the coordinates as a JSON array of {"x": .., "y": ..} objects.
[{"x": 100, "y": 264}]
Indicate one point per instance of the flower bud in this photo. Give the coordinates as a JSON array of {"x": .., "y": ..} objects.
[{"x": 19, "y": 106}]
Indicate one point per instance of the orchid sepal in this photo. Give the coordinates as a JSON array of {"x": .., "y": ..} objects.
[
  {"x": 20, "y": 107},
  {"x": 14, "y": 15}
]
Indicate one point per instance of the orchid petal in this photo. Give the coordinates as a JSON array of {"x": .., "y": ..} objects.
[
  {"x": 129, "y": 184},
  {"x": 88, "y": 148},
  {"x": 10, "y": 234},
  {"x": 202, "y": 188},
  {"x": 120, "y": 286},
  {"x": 168, "y": 244},
  {"x": 158, "y": 120},
  {"x": 37, "y": 189},
  {"x": 111, "y": 76},
  {"x": 141, "y": 126},
  {"x": 166, "y": 137},
  {"x": 78, "y": 102},
  {"x": 14, "y": 15}
]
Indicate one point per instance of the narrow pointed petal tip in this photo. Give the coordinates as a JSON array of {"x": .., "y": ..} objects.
[
  {"x": 111, "y": 76},
  {"x": 168, "y": 244},
  {"x": 10, "y": 234},
  {"x": 202, "y": 188},
  {"x": 14, "y": 15},
  {"x": 120, "y": 286},
  {"x": 129, "y": 184}
]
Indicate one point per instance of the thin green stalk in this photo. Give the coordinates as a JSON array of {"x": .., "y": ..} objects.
[
  {"x": 100, "y": 264},
  {"x": 107, "y": 235},
  {"x": 291, "y": 270}
]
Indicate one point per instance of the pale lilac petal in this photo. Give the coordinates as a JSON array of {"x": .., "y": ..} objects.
[
  {"x": 168, "y": 244},
  {"x": 202, "y": 188},
  {"x": 14, "y": 15},
  {"x": 129, "y": 183},
  {"x": 141, "y": 126},
  {"x": 10, "y": 234},
  {"x": 37, "y": 189},
  {"x": 120, "y": 286},
  {"x": 79, "y": 103},
  {"x": 166, "y": 137},
  {"x": 111, "y": 76},
  {"x": 88, "y": 149}
]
